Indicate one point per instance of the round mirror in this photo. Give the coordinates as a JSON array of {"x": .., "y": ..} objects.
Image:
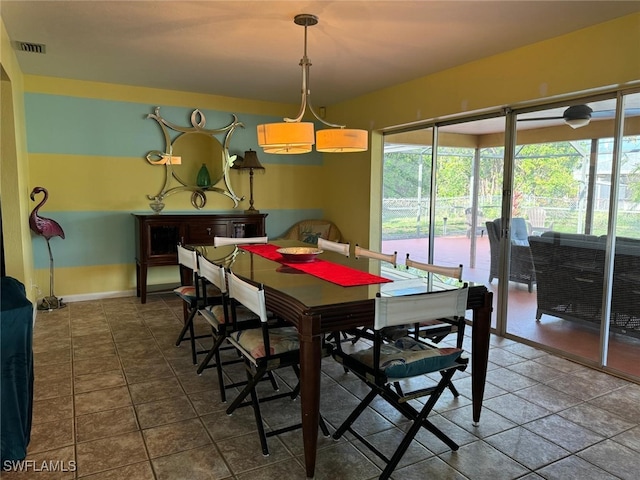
[{"x": 197, "y": 149}]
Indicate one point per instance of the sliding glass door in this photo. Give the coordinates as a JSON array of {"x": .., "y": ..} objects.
[
  {"x": 547, "y": 217},
  {"x": 623, "y": 345}
]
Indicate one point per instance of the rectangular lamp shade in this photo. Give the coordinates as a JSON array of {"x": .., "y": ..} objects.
[
  {"x": 336, "y": 140},
  {"x": 286, "y": 137}
]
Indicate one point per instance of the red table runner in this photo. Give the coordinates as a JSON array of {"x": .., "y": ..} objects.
[{"x": 329, "y": 271}]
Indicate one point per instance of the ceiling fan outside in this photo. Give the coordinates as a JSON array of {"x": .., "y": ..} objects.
[
  {"x": 578, "y": 116},
  {"x": 575, "y": 116}
]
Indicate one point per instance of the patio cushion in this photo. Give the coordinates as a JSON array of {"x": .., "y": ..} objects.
[
  {"x": 281, "y": 340},
  {"x": 214, "y": 314},
  {"x": 408, "y": 357},
  {"x": 188, "y": 292}
]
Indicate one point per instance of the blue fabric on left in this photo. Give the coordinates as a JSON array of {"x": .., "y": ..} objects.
[{"x": 16, "y": 371}]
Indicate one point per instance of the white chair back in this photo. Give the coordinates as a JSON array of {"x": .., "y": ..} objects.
[
  {"x": 453, "y": 272},
  {"x": 408, "y": 309},
  {"x": 188, "y": 258},
  {"x": 386, "y": 257},
  {"x": 248, "y": 295},
  {"x": 328, "y": 245},
  {"x": 214, "y": 274},
  {"x": 222, "y": 241}
]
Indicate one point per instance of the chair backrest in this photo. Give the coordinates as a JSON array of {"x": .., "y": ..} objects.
[
  {"x": 214, "y": 274},
  {"x": 519, "y": 231},
  {"x": 248, "y": 295},
  {"x": 386, "y": 257},
  {"x": 342, "y": 248},
  {"x": 409, "y": 309},
  {"x": 537, "y": 216},
  {"x": 453, "y": 272},
  {"x": 469, "y": 216},
  {"x": 222, "y": 241},
  {"x": 188, "y": 258}
]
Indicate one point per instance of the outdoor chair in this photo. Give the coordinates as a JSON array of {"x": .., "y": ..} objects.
[
  {"x": 522, "y": 269},
  {"x": 396, "y": 371},
  {"x": 480, "y": 220},
  {"x": 537, "y": 220},
  {"x": 264, "y": 350}
]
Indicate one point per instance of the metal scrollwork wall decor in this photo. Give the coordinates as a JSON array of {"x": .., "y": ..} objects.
[{"x": 193, "y": 151}]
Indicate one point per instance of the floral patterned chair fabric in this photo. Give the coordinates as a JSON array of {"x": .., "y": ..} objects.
[{"x": 309, "y": 231}]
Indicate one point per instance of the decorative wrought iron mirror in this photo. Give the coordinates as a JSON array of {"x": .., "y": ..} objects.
[{"x": 195, "y": 158}]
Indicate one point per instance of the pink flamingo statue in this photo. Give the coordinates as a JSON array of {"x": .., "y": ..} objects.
[{"x": 47, "y": 228}]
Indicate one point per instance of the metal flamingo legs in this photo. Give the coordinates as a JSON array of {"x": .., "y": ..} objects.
[{"x": 51, "y": 302}]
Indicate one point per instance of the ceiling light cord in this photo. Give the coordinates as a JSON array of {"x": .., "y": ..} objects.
[{"x": 306, "y": 90}]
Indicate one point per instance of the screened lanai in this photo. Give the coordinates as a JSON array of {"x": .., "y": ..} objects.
[{"x": 566, "y": 196}]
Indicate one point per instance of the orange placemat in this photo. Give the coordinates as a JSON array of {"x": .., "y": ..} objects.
[{"x": 329, "y": 271}]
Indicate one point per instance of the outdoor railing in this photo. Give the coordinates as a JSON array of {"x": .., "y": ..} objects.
[{"x": 409, "y": 218}]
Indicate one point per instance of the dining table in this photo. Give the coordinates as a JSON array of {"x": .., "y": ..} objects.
[{"x": 334, "y": 293}]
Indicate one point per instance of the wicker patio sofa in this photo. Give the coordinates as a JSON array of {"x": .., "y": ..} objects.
[{"x": 569, "y": 272}]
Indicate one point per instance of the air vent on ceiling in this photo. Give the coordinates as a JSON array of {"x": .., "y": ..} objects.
[{"x": 30, "y": 47}]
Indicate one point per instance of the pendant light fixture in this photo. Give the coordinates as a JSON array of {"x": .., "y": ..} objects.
[{"x": 293, "y": 136}]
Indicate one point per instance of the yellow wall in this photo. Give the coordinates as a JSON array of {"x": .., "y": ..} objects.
[
  {"x": 347, "y": 184},
  {"x": 14, "y": 168},
  {"x": 604, "y": 55}
]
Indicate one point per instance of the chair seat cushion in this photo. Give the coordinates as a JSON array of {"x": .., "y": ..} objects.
[
  {"x": 408, "y": 357},
  {"x": 188, "y": 292},
  {"x": 214, "y": 314},
  {"x": 281, "y": 340}
]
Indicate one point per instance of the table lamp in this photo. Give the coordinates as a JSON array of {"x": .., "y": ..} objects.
[{"x": 249, "y": 162}]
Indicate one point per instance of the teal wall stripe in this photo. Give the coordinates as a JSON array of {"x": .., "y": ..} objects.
[
  {"x": 58, "y": 124},
  {"x": 107, "y": 238}
]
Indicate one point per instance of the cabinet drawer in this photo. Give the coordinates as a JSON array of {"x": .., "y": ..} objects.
[{"x": 203, "y": 232}]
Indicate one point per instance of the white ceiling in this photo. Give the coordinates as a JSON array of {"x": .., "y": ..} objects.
[{"x": 251, "y": 49}]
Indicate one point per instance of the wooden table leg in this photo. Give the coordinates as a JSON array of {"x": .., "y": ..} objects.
[
  {"x": 480, "y": 353},
  {"x": 310, "y": 365}
]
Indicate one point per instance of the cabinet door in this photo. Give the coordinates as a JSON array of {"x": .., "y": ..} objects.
[{"x": 162, "y": 240}]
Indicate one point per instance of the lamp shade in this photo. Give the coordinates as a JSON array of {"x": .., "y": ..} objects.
[
  {"x": 286, "y": 137},
  {"x": 335, "y": 140},
  {"x": 250, "y": 160},
  {"x": 288, "y": 149}
]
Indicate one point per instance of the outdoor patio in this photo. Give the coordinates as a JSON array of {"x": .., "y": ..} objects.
[{"x": 558, "y": 334}]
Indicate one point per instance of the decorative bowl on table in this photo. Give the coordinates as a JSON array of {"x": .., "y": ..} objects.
[{"x": 299, "y": 254}]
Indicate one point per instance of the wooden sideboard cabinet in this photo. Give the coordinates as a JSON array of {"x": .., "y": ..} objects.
[{"x": 158, "y": 235}]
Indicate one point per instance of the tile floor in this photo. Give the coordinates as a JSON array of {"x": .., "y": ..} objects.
[{"x": 115, "y": 396}]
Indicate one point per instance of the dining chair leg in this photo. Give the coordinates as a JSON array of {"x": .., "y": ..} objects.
[
  {"x": 453, "y": 389},
  {"x": 192, "y": 338},
  {"x": 213, "y": 351},
  {"x": 346, "y": 425},
  {"x": 258, "y": 416},
  {"x": 185, "y": 327}
]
